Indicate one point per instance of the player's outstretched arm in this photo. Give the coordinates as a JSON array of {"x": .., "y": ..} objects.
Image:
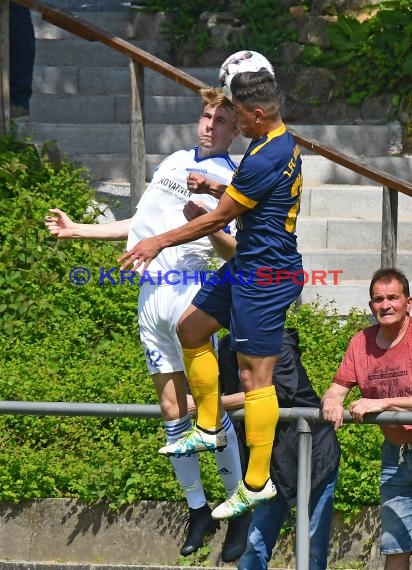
[
  {"x": 62, "y": 227},
  {"x": 147, "y": 249}
]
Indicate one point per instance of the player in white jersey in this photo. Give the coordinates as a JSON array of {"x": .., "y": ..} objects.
[{"x": 167, "y": 290}]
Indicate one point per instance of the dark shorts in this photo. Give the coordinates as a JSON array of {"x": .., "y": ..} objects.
[{"x": 253, "y": 309}]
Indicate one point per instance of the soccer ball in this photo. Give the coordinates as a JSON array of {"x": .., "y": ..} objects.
[{"x": 244, "y": 60}]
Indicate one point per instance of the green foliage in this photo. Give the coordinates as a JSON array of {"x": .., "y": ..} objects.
[
  {"x": 369, "y": 58},
  {"x": 184, "y": 21},
  {"x": 268, "y": 23},
  {"x": 324, "y": 337},
  {"x": 62, "y": 342},
  {"x": 198, "y": 559}
]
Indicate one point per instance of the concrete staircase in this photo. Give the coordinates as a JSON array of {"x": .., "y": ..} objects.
[{"x": 81, "y": 99}]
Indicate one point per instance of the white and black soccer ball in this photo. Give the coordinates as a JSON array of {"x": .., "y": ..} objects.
[{"x": 244, "y": 60}]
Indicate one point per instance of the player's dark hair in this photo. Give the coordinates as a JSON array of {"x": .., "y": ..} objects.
[
  {"x": 256, "y": 88},
  {"x": 387, "y": 275}
]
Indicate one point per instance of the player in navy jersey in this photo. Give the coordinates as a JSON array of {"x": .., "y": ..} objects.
[{"x": 264, "y": 196}]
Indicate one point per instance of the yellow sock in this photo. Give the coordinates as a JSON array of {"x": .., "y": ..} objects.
[
  {"x": 261, "y": 417},
  {"x": 203, "y": 373}
]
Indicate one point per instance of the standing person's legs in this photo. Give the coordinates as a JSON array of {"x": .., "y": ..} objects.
[
  {"x": 321, "y": 513},
  {"x": 22, "y": 53},
  {"x": 267, "y": 521},
  {"x": 396, "y": 506}
]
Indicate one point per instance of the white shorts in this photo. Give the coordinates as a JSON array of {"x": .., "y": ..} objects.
[{"x": 159, "y": 309}]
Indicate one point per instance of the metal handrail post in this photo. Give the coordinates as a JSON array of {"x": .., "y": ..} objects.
[{"x": 303, "y": 494}]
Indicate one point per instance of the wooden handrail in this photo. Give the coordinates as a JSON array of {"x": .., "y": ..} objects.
[
  {"x": 380, "y": 176},
  {"x": 88, "y": 31}
]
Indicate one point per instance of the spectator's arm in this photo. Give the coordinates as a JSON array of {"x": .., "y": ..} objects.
[{"x": 332, "y": 404}]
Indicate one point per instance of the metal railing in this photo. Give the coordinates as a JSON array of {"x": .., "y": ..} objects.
[{"x": 303, "y": 416}]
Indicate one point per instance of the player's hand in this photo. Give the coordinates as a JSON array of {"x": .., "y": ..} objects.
[
  {"x": 197, "y": 183},
  {"x": 332, "y": 412},
  {"x": 142, "y": 253},
  {"x": 60, "y": 225},
  {"x": 365, "y": 406},
  {"x": 193, "y": 210}
]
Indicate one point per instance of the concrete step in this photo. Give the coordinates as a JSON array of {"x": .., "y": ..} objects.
[
  {"x": 354, "y": 265},
  {"x": 77, "y": 139},
  {"x": 93, "y": 139},
  {"x": 88, "y": 80},
  {"x": 320, "y": 170},
  {"x": 71, "y": 110},
  {"x": 126, "y": 24},
  {"x": 111, "y": 108},
  {"x": 83, "y": 53},
  {"x": 91, "y": 5},
  {"x": 356, "y": 140},
  {"x": 347, "y": 201},
  {"x": 324, "y": 134},
  {"x": 347, "y": 234}
]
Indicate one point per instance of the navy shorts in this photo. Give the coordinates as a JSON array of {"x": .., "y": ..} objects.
[{"x": 252, "y": 307}]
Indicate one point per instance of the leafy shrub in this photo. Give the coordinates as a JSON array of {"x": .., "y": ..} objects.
[
  {"x": 369, "y": 58},
  {"x": 62, "y": 342},
  {"x": 268, "y": 23}
]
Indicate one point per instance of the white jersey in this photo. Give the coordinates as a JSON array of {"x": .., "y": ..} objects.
[{"x": 161, "y": 208}]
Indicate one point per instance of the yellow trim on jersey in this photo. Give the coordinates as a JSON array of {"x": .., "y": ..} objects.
[
  {"x": 273, "y": 134},
  {"x": 239, "y": 197}
]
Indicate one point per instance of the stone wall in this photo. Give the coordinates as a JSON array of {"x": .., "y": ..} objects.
[
  {"x": 150, "y": 533},
  {"x": 308, "y": 92}
]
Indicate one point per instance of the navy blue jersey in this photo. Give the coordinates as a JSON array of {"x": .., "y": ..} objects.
[{"x": 269, "y": 182}]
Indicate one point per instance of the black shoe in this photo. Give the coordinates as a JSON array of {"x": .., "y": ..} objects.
[
  {"x": 236, "y": 537},
  {"x": 199, "y": 524}
]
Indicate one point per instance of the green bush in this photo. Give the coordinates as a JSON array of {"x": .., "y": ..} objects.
[
  {"x": 369, "y": 58},
  {"x": 62, "y": 342}
]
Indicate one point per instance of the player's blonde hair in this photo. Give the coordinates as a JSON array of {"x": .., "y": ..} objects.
[{"x": 214, "y": 97}]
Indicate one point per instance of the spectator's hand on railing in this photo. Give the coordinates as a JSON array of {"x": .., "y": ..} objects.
[
  {"x": 60, "y": 226},
  {"x": 364, "y": 406},
  {"x": 332, "y": 411}
]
